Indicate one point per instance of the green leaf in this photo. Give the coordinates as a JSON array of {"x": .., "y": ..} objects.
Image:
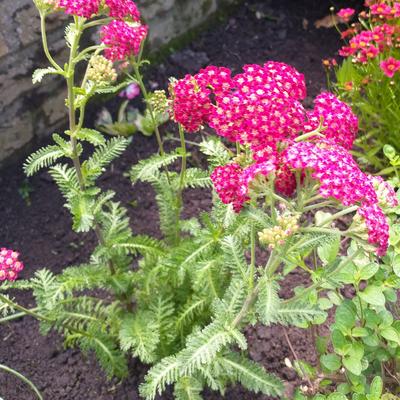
[
  {"x": 331, "y": 362},
  {"x": 353, "y": 365},
  {"x": 329, "y": 251},
  {"x": 149, "y": 169},
  {"x": 251, "y": 375},
  {"x": 396, "y": 264},
  {"x": 345, "y": 316},
  {"x": 337, "y": 396},
  {"x": 373, "y": 295},
  {"x": 43, "y": 158},
  {"x": 40, "y": 73},
  {"x": 268, "y": 301},
  {"x": 390, "y": 334},
  {"x": 92, "y": 136},
  {"x": 188, "y": 388},
  {"x": 359, "y": 332},
  {"x": 376, "y": 388},
  {"x": 368, "y": 271},
  {"x": 140, "y": 333}
]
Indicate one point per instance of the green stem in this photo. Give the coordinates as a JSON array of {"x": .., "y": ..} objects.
[
  {"x": 102, "y": 21},
  {"x": 23, "y": 379},
  {"x": 22, "y": 309},
  {"x": 184, "y": 158},
  {"x": 253, "y": 256},
  {"x": 45, "y": 45},
  {"x": 17, "y": 315},
  {"x": 338, "y": 215},
  {"x": 149, "y": 106},
  {"x": 318, "y": 205}
]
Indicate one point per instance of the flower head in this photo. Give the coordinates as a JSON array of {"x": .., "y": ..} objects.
[
  {"x": 123, "y": 39},
  {"x": 339, "y": 121},
  {"x": 390, "y": 66},
  {"x": 123, "y": 9},
  {"x": 101, "y": 70},
  {"x": 80, "y": 8},
  {"x": 10, "y": 265},
  {"x": 191, "y": 104},
  {"x": 345, "y": 14}
]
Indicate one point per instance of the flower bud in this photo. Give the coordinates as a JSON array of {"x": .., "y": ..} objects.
[{"x": 101, "y": 71}]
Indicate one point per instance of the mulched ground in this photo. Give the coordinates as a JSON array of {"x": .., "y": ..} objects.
[{"x": 280, "y": 30}]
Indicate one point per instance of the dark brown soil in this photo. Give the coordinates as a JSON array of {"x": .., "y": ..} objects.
[{"x": 258, "y": 31}]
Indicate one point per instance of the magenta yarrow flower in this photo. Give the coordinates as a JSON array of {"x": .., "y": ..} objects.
[
  {"x": 80, "y": 8},
  {"x": 390, "y": 66},
  {"x": 123, "y": 39},
  {"x": 346, "y": 13},
  {"x": 123, "y": 9},
  {"x": 10, "y": 265}
]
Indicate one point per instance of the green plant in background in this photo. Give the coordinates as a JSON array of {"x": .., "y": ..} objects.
[
  {"x": 130, "y": 120},
  {"x": 369, "y": 80},
  {"x": 288, "y": 195}
]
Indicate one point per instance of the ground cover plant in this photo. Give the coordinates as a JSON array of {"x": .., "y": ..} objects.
[
  {"x": 288, "y": 195},
  {"x": 368, "y": 78}
]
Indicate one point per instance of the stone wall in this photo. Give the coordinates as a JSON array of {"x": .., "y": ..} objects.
[{"x": 28, "y": 112}]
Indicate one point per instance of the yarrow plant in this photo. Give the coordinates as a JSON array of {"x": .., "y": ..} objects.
[
  {"x": 287, "y": 195},
  {"x": 369, "y": 76}
]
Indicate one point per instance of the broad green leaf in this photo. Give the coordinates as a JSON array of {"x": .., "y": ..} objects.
[
  {"x": 353, "y": 365},
  {"x": 345, "y": 316},
  {"x": 396, "y": 265},
  {"x": 359, "y": 332},
  {"x": 376, "y": 388},
  {"x": 331, "y": 362},
  {"x": 368, "y": 271},
  {"x": 390, "y": 334},
  {"x": 373, "y": 295}
]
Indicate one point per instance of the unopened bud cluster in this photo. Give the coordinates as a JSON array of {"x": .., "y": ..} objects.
[
  {"x": 101, "y": 70},
  {"x": 10, "y": 266},
  {"x": 277, "y": 235},
  {"x": 159, "y": 101}
]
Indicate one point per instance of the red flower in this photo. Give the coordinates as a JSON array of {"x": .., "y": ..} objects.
[
  {"x": 10, "y": 266},
  {"x": 346, "y": 13}
]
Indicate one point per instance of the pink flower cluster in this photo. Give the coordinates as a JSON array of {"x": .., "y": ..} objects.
[
  {"x": 261, "y": 108},
  {"x": 80, "y": 8},
  {"x": 232, "y": 182},
  {"x": 88, "y": 8},
  {"x": 385, "y": 10},
  {"x": 339, "y": 121},
  {"x": 341, "y": 179},
  {"x": 122, "y": 39},
  {"x": 10, "y": 266},
  {"x": 369, "y": 44}
]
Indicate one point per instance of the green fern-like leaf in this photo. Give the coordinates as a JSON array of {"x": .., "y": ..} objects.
[
  {"x": 43, "y": 158},
  {"x": 203, "y": 346},
  {"x": 143, "y": 245},
  {"x": 92, "y": 136},
  {"x": 194, "y": 306},
  {"x": 268, "y": 301},
  {"x": 149, "y": 169},
  {"x": 297, "y": 313},
  {"x": 140, "y": 333},
  {"x": 197, "y": 178},
  {"x": 40, "y": 73},
  {"x": 103, "y": 156},
  {"x": 232, "y": 302},
  {"x": 66, "y": 179},
  {"x": 234, "y": 255},
  {"x": 107, "y": 353},
  {"x": 251, "y": 375},
  {"x": 81, "y": 207},
  {"x": 188, "y": 388},
  {"x": 162, "y": 374},
  {"x": 215, "y": 151}
]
